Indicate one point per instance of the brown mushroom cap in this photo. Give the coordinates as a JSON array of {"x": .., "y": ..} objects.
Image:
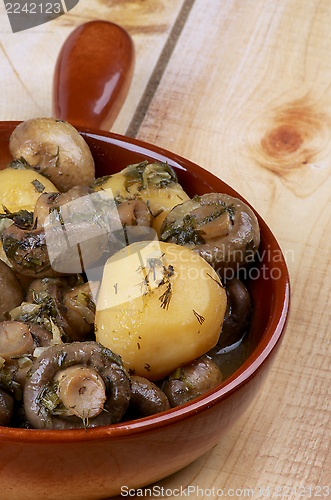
[
  {"x": 76, "y": 226},
  {"x": 238, "y": 312},
  {"x": 146, "y": 397},
  {"x": 55, "y": 149},
  {"x": 18, "y": 341},
  {"x": 221, "y": 228},
  {"x": 134, "y": 213},
  {"x": 27, "y": 251},
  {"x": 192, "y": 380},
  {"x": 6, "y": 407},
  {"x": 48, "y": 202},
  {"x": 11, "y": 291},
  {"x": 40, "y": 389},
  {"x": 72, "y": 304}
]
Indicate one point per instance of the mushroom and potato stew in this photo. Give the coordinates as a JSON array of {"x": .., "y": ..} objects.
[{"x": 121, "y": 296}]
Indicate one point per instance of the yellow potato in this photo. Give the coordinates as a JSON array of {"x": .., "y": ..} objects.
[
  {"x": 158, "y": 197},
  {"x": 160, "y": 306},
  {"x": 20, "y": 189}
]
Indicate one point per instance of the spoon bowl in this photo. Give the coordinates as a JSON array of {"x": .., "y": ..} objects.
[{"x": 93, "y": 74}]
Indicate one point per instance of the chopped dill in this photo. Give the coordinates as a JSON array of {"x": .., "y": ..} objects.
[
  {"x": 165, "y": 298},
  {"x": 100, "y": 181},
  {"x": 200, "y": 318},
  {"x": 38, "y": 186},
  {"x": 19, "y": 164},
  {"x": 22, "y": 218}
]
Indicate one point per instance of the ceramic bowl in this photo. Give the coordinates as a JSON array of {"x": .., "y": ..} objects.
[{"x": 97, "y": 463}]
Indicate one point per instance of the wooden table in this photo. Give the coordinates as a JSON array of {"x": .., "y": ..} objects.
[{"x": 243, "y": 88}]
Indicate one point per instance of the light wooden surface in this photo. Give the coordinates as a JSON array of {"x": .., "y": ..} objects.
[{"x": 241, "y": 87}]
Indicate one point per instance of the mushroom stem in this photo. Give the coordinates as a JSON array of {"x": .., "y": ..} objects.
[
  {"x": 210, "y": 227},
  {"x": 81, "y": 390},
  {"x": 15, "y": 339}
]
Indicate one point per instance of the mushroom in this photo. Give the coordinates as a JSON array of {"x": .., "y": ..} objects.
[
  {"x": 18, "y": 340},
  {"x": 133, "y": 224},
  {"x": 26, "y": 250},
  {"x": 15, "y": 340},
  {"x": 192, "y": 380},
  {"x": 67, "y": 234},
  {"x": 146, "y": 397},
  {"x": 53, "y": 201},
  {"x": 81, "y": 384},
  {"x": 134, "y": 213},
  {"x": 11, "y": 291},
  {"x": 79, "y": 307},
  {"x": 221, "y": 228},
  {"x": 238, "y": 312},
  {"x": 55, "y": 149},
  {"x": 67, "y": 302},
  {"x": 6, "y": 407}
]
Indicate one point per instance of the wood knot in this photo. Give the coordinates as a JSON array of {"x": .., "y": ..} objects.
[
  {"x": 293, "y": 141},
  {"x": 282, "y": 140},
  {"x": 295, "y": 135}
]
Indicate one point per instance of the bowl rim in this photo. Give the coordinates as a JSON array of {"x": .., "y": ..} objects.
[{"x": 272, "y": 336}]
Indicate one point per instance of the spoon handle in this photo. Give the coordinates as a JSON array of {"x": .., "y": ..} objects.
[{"x": 93, "y": 75}]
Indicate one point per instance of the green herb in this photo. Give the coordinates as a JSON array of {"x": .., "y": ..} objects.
[
  {"x": 84, "y": 299},
  {"x": 22, "y": 218},
  {"x": 48, "y": 397},
  {"x": 166, "y": 297},
  {"x": 100, "y": 181},
  {"x": 189, "y": 230},
  {"x": 200, "y": 318},
  {"x": 156, "y": 175},
  {"x": 38, "y": 185},
  {"x": 8, "y": 384},
  {"x": 41, "y": 311},
  {"x": 179, "y": 374},
  {"x": 133, "y": 174},
  {"x": 57, "y": 156},
  {"x": 184, "y": 233},
  {"x": 111, "y": 356},
  {"x": 19, "y": 164}
]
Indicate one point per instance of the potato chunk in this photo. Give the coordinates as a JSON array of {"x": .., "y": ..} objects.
[
  {"x": 20, "y": 189},
  {"x": 160, "y": 306}
]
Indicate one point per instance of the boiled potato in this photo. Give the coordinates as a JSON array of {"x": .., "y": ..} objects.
[
  {"x": 160, "y": 306},
  {"x": 20, "y": 189}
]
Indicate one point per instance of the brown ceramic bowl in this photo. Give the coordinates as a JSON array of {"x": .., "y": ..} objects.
[{"x": 95, "y": 464}]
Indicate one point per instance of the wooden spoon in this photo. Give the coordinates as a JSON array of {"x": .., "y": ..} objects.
[{"x": 93, "y": 75}]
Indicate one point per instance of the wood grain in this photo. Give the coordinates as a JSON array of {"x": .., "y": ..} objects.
[
  {"x": 27, "y": 59},
  {"x": 245, "y": 94}
]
